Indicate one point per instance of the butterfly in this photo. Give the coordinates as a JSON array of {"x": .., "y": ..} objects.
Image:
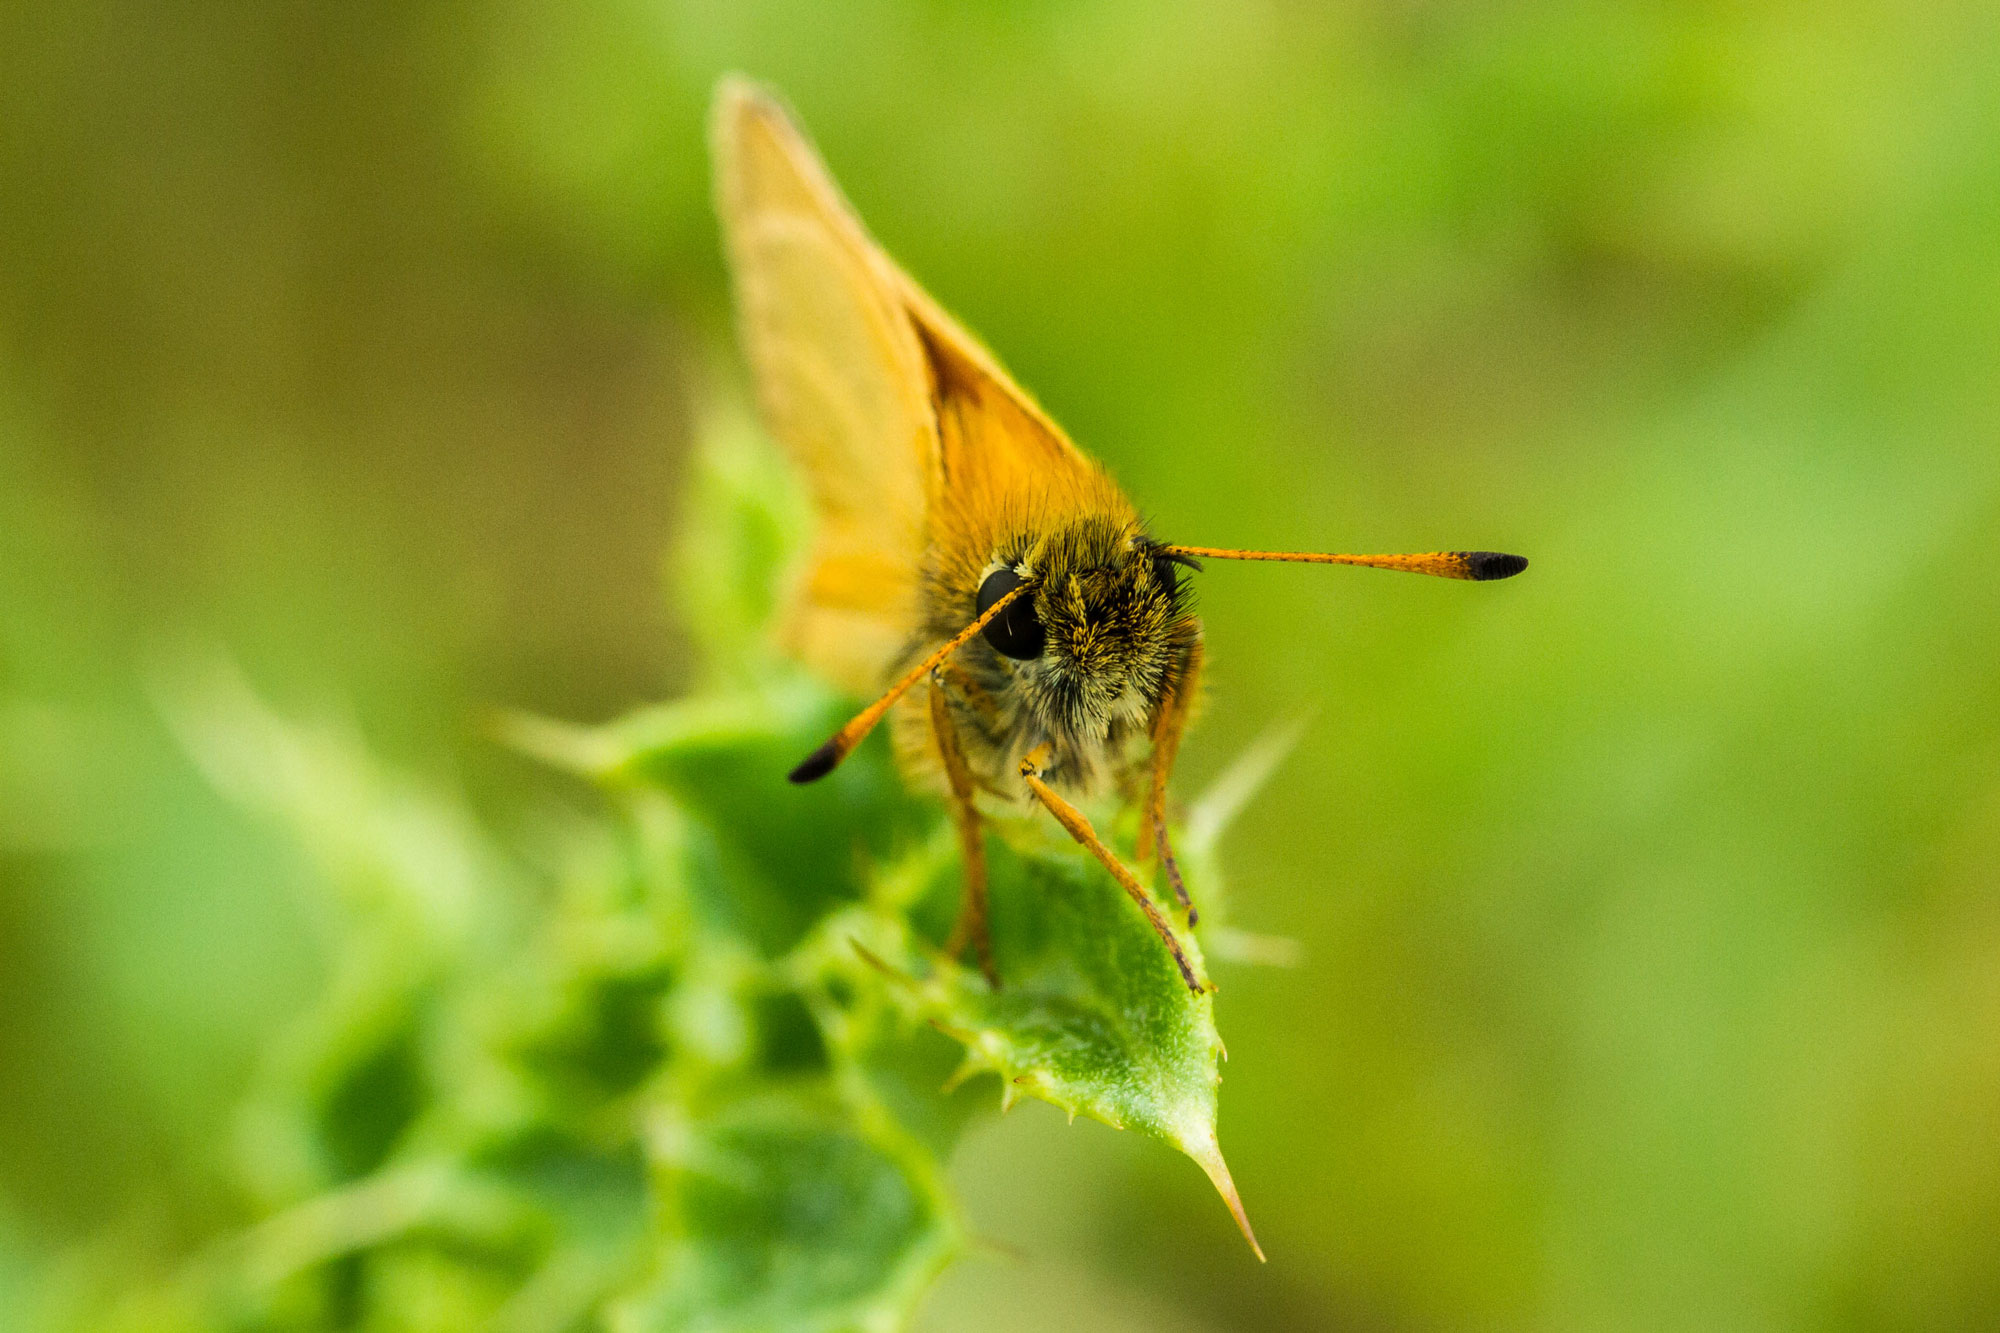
[{"x": 1034, "y": 645}]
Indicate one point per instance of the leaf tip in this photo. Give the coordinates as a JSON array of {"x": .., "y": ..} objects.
[
  {"x": 1209, "y": 1158},
  {"x": 966, "y": 1069},
  {"x": 875, "y": 960},
  {"x": 573, "y": 749}
]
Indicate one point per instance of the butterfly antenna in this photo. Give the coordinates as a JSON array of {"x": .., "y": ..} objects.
[
  {"x": 838, "y": 746},
  {"x": 1478, "y": 566}
]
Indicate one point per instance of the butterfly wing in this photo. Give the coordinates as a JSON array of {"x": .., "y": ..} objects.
[
  {"x": 1001, "y": 461},
  {"x": 1003, "y": 467},
  {"x": 917, "y": 446},
  {"x": 841, "y": 381}
]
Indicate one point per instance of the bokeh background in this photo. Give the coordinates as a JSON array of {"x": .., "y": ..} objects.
[{"x": 1651, "y": 972}]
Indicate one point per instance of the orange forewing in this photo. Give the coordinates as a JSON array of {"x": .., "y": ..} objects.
[
  {"x": 842, "y": 383},
  {"x": 919, "y": 449}
]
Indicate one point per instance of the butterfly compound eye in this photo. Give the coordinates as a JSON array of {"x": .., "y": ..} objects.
[{"x": 1014, "y": 632}]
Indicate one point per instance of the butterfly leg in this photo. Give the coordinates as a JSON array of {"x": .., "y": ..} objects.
[
  {"x": 969, "y": 691},
  {"x": 961, "y": 688},
  {"x": 1077, "y": 826},
  {"x": 1170, "y": 721},
  {"x": 971, "y": 926}
]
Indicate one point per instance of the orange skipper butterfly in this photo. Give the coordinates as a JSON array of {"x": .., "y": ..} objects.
[{"x": 971, "y": 567}]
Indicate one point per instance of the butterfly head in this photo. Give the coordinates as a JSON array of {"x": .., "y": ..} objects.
[{"x": 1093, "y": 638}]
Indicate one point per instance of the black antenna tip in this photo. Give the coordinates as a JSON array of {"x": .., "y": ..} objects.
[
  {"x": 817, "y": 764},
  {"x": 1489, "y": 565}
]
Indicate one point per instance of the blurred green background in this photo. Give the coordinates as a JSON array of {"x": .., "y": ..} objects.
[{"x": 1651, "y": 964}]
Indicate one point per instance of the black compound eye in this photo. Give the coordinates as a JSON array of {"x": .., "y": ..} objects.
[{"x": 1014, "y": 632}]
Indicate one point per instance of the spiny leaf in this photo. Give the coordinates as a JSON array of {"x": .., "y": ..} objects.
[
  {"x": 793, "y": 1214},
  {"x": 680, "y": 1070},
  {"x": 774, "y": 857},
  {"x": 1091, "y": 1015}
]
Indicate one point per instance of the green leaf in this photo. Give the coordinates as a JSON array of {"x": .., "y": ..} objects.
[
  {"x": 1091, "y": 1015},
  {"x": 773, "y": 857},
  {"x": 678, "y": 1066},
  {"x": 743, "y": 524},
  {"x": 794, "y": 1215}
]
